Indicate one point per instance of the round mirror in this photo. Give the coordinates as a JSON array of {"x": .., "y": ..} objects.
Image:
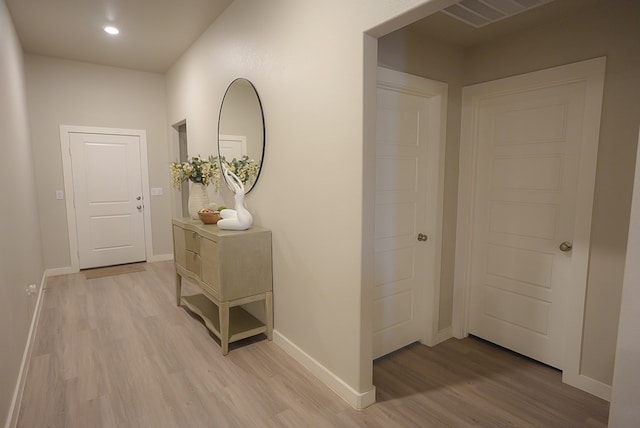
[{"x": 241, "y": 135}]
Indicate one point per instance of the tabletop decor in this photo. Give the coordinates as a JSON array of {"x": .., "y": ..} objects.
[{"x": 199, "y": 172}]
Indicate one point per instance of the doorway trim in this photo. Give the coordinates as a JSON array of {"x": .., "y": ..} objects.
[
  {"x": 591, "y": 73},
  {"x": 65, "y": 149},
  {"x": 178, "y": 205}
]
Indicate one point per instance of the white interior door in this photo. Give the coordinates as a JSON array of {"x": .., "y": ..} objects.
[
  {"x": 232, "y": 146},
  {"x": 108, "y": 199},
  {"x": 407, "y": 209},
  {"x": 528, "y": 151}
]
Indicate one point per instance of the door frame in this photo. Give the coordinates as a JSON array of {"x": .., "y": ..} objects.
[
  {"x": 65, "y": 146},
  {"x": 591, "y": 73},
  {"x": 436, "y": 94}
]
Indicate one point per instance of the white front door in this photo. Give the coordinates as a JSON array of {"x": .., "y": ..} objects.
[
  {"x": 108, "y": 199},
  {"x": 407, "y": 209},
  {"x": 529, "y": 143}
]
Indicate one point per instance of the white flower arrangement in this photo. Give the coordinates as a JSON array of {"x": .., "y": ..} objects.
[
  {"x": 196, "y": 170},
  {"x": 245, "y": 168},
  {"x": 208, "y": 171}
]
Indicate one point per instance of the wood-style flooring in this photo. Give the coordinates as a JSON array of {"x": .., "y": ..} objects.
[{"x": 117, "y": 352}]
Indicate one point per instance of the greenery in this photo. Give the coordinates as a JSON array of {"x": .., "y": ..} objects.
[
  {"x": 245, "y": 168},
  {"x": 197, "y": 170},
  {"x": 207, "y": 171}
]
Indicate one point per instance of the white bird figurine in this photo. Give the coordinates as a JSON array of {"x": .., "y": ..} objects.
[{"x": 238, "y": 218}]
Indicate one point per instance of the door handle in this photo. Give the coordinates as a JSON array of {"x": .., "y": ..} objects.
[
  {"x": 139, "y": 207},
  {"x": 138, "y": 198},
  {"x": 422, "y": 237},
  {"x": 566, "y": 246}
]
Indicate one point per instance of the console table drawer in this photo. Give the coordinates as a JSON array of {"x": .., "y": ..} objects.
[
  {"x": 192, "y": 241},
  {"x": 193, "y": 262}
]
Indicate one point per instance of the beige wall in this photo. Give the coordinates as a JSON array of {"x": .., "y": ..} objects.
[
  {"x": 20, "y": 245},
  {"x": 306, "y": 61},
  {"x": 608, "y": 29},
  {"x": 62, "y": 92}
]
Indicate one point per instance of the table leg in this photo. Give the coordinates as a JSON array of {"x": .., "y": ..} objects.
[
  {"x": 178, "y": 288},
  {"x": 224, "y": 327},
  {"x": 268, "y": 307}
]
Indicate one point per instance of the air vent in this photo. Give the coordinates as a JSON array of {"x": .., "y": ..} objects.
[{"x": 479, "y": 13}]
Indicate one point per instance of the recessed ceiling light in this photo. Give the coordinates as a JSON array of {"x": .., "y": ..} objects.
[{"x": 111, "y": 30}]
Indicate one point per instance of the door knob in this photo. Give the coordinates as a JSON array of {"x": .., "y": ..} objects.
[
  {"x": 566, "y": 246},
  {"x": 138, "y": 198},
  {"x": 422, "y": 237},
  {"x": 139, "y": 207}
]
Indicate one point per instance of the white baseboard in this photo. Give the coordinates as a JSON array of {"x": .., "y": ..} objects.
[
  {"x": 69, "y": 269},
  {"x": 587, "y": 384},
  {"x": 438, "y": 337},
  {"x": 358, "y": 400},
  {"x": 443, "y": 335},
  {"x": 14, "y": 409},
  {"x": 60, "y": 271},
  {"x": 160, "y": 258}
]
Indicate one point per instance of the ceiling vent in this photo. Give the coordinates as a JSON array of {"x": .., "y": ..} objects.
[{"x": 479, "y": 13}]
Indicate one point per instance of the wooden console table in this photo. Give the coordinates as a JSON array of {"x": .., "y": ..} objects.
[{"x": 231, "y": 268}]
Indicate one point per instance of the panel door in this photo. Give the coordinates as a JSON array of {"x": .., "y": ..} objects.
[
  {"x": 408, "y": 131},
  {"x": 107, "y": 186},
  {"x": 525, "y": 196},
  {"x": 232, "y": 146}
]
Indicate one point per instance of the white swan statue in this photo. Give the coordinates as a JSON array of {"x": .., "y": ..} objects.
[{"x": 238, "y": 218}]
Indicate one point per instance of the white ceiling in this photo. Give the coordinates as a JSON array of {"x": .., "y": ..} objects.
[{"x": 154, "y": 33}]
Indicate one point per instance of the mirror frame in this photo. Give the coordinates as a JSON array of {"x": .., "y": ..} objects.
[{"x": 264, "y": 136}]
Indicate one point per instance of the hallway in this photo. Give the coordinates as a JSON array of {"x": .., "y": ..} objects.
[{"x": 116, "y": 351}]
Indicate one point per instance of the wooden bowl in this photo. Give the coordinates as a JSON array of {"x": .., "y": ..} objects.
[{"x": 209, "y": 218}]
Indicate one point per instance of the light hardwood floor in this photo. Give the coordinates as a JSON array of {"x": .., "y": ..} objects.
[{"x": 117, "y": 352}]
